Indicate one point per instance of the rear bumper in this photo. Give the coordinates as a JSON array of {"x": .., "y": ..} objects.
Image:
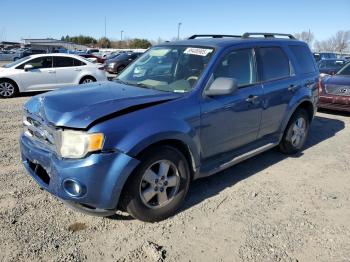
[
  {"x": 341, "y": 103},
  {"x": 102, "y": 176}
]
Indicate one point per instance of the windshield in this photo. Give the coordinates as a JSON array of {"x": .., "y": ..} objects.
[
  {"x": 168, "y": 68},
  {"x": 345, "y": 70},
  {"x": 333, "y": 64},
  {"x": 17, "y": 62}
]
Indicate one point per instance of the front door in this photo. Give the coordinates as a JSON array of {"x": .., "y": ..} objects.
[
  {"x": 40, "y": 77},
  {"x": 231, "y": 121}
]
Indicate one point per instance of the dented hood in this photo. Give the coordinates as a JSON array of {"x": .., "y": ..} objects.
[{"x": 81, "y": 106}]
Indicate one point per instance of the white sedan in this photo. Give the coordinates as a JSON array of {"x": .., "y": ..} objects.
[{"x": 47, "y": 72}]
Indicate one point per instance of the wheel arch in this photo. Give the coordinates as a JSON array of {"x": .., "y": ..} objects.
[
  {"x": 304, "y": 104},
  {"x": 86, "y": 76},
  {"x": 11, "y": 80}
]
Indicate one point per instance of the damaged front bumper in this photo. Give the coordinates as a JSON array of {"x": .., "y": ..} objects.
[{"x": 93, "y": 183}]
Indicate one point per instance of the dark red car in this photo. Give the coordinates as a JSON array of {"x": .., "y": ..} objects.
[
  {"x": 98, "y": 59},
  {"x": 335, "y": 90}
]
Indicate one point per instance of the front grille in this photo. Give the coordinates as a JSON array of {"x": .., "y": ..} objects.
[
  {"x": 39, "y": 171},
  {"x": 36, "y": 129},
  {"x": 337, "y": 90}
]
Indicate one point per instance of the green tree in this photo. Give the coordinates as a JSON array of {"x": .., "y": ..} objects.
[
  {"x": 140, "y": 43},
  {"x": 104, "y": 42}
]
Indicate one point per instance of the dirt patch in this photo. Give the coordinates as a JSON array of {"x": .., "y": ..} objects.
[{"x": 269, "y": 208}]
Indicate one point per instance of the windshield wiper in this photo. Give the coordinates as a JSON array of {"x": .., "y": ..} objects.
[{"x": 122, "y": 82}]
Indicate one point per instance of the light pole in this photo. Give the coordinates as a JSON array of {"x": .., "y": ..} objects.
[
  {"x": 105, "y": 27},
  {"x": 121, "y": 35},
  {"x": 178, "y": 30}
]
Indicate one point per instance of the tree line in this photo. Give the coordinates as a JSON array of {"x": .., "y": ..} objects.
[
  {"x": 339, "y": 42},
  {"x": 105, "y": 42}
]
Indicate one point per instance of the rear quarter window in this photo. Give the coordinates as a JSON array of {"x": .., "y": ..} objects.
[
  {"x": 304, "y": 58},
  {"x": 274, "y": 63}
]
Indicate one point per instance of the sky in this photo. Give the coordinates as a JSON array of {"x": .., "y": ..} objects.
[{"x": 159, "y": 18}]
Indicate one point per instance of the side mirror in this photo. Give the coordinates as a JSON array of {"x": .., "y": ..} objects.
[
  {"x": 222, "y": 86},
  {"x": 28, "y": 67}
]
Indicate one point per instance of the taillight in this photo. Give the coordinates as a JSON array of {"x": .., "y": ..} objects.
[{"x": 102, "y": 68}]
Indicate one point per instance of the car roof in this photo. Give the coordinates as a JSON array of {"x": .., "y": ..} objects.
[
  {"x": 333, "y": 59},
  {"x": 229, "y": 41},
  {"x": 56, "y": 54}
]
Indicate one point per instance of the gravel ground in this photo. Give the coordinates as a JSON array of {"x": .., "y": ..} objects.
[{"x": 268, "y": 208}]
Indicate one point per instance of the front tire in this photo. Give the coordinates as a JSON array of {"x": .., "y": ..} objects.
[
  {"x": 296, "y": 133},
  {"x": 158, "y": 186},
  {"x": 8, "y": 89}
]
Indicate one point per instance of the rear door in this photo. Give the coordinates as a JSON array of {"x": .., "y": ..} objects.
[
  {"x": 279, "y": 82},
  {"x": 68, "y": 70}
]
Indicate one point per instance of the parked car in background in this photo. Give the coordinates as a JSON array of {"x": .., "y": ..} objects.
[
  {"x": 93, "y": 58},
  {"x": 6, "y": 55},
  {"x": 330, "y": 66},
  {"x": 117, "y": 64},
  {"x": 324, "y": 55},
  {"x": 138, "y": 142},
  {"x": 335, "y": 90},
  {"x": 92, "y": 50},
  {"x": 47, "y": 72}
]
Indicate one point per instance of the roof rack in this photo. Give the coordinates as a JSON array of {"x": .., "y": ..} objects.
[
  {"x": 214, "y": 36},
  {"x": 267, "y": 35}
]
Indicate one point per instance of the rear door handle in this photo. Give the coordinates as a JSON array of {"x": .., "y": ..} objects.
[
  {"x": 51, "y": 71},
  {"x": 77, "y": 69},
  {"x": 293, "y": 88},
  {"x": 309, "y": 83},
  {"x": 252, "y": 99}
]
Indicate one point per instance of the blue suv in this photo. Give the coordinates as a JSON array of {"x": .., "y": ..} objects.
[{"x": 182, "y": 111}]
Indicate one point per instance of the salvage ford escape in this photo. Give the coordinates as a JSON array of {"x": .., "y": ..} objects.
[{"x": 182, "y": 111}]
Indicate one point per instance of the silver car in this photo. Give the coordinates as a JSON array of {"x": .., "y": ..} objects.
[{"x": 9, "y": 55}]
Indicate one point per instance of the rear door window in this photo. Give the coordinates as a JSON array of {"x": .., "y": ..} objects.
[
  {"x": 304, "y": 58},
  {"x": 274, "y": 63},
  {"x": 60, "y": 61},
  {"x": 77, "y": 62}
]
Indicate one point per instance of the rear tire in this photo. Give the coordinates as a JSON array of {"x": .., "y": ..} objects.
[
  {"x": 8, "y": 89},
  {"x": 295, "y": 135},
  {"x": 87, "y": 79},
  {"x": 158, "y": 186}
]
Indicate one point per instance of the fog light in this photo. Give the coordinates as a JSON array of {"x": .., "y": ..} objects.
[{"x": 73, "y": 188}]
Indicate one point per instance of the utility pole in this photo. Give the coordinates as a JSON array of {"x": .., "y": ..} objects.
[
  {"x": 105, "y": 27},
  {"x": 178, "y": 30},
  {"x": 121, "y": 35}
]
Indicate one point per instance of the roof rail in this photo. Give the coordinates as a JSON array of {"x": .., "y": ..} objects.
[
  {"x": 267, "y": 35},
  {"x": 214, "y": 36}
]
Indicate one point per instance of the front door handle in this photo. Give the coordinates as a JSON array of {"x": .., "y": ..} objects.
[
  {"x": 51, "y": 71},
  {"x": 252, "y": 99}
]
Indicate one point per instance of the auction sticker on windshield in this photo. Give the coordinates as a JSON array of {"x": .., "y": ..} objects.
[{"x": 198, "y": 51}]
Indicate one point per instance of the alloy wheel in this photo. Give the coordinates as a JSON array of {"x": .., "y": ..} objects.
[
  {"x": 299, "y": 132},
  {"x": 159, "y": 184},
  {"x": 87, "y": 80},
  {"x": 7, "y": 89}
]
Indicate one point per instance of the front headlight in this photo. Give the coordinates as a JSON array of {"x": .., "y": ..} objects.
[
  {"x": 111, "y": 64},
  {"x": 76, "y": 144}
]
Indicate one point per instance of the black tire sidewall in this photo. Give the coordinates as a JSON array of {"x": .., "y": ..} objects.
[
  {"x": 87, "y": 77},
  {"x": 132, "y": 200}
]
